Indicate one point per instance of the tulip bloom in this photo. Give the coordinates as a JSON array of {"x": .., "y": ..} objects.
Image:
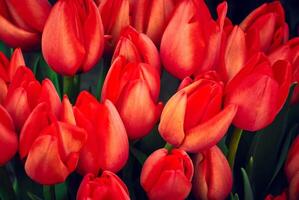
[
  {"x": 134, "y": 89},
  {"x": 282, "y": 196},
  {"x": 73, "y": 37},
  {"x": 21, "y": 23},
  {"x": 151, "y": 17},
  {"x": 268, "y": 22},
  {"x": 213, "y": 178},
  {"x": 292, "y": 162},
  {"x": 137, "y": 47},
  {"x": 107, "y": 186},
  {"x": 51, "y": 147},
  {"x": 115, "y": 15},
  {"x": 193, "y": 118},
  {"x": 197, "y": 35},
  {"x": 107, "y": 146},
  {"x": 8, "y": 137},
  {"x": 260, "y": 90},
  {"x": 167, "y": 175},
  {"x": 294, "y": 187}
]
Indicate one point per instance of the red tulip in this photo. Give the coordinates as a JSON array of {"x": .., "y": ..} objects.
[
  {"x": 260, "y": 90},
  {"x": 3, "y": 90},
  {"x": 137, "y": 47},
  {"x": 268, "y": 22},
  {"x": 107, "y": 146},
  {"x": 151, "y": 17},
  {"x": 52, "y": 147},
  {"x": 134, "y": 89},
  {"x": 292, "y": 162},
  {"x": 115, "y": 16},
  {"x": 196, "y": 35},
  {"x": 22, "y": 22},
  {"x": 107, "y": 186},
  {"x": 167, "y": 175},
  {"x": 73, "y": 37},
  {"x": 213, "y": 178},
  {"x": 8, "y": 137},
  {"x": 21, "y": 96},
  {"x": 282, "y": 196},
  {"x": 193, "y": 118},
  {"x": 294, "y": 187}
]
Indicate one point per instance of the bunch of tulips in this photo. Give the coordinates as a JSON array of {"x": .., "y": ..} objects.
[{"x": 147, "y": 99}]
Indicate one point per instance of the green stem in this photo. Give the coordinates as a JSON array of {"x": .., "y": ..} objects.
[
  {"x": 168, "y": 146},
  {"x": 6, "y": 186},
  {"x": 233, "y": 146},
  {"x": 49, "y": 192},
  {"x": 70, "y": 86}
]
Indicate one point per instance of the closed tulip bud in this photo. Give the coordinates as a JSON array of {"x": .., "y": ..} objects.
[
  {"x": 134, "y": 89},
  {"x": 137, "y": 47},
  {"x": 22, "y": 22},
  {"x": 196, "y": 35},
  {"x": 51, "y": 147},
  {"x": 213, "y": 179},
  {"x": 3, "y": 90},
  {"x": 115, "y": 15},
  {"x": 167, "y": 175},
  {"x": 260, "y": 90},
  {"x": 21, "y": 96},
  {"x": 282, "y": 196},
  {"x": 8, "y": 137},
  {"x": 107, "y": 146},
  {"x": 73, "y": 37},
  {"x": 268, "y": 21},
  {"x": 193, "y": 118},
  {"x": 151, "y": 17},
  {"x": 107, "y": 186}
]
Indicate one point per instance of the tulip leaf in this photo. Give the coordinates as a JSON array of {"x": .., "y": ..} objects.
[
  {"x": 33, "y": 196},
  {"x": 234, "y": 196},
  {"x": 139, "y": 155},
  {"x": 265, "y": 149},
  {"x": 248, "y": 194},
  {"x": 61, "y": 191},
  {"x": 5, "y": 49},
  {"x": 6, "y": 189}
]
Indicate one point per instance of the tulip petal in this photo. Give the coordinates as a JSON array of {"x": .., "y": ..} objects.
[{"x": 209, "y": 133}]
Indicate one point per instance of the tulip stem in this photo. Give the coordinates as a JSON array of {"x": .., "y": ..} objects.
[
  {"x": 49, "y": 192},
  {"x": 168, "y": 146},
  {"x": 233, "y": 146},
  {"x": 70, "y": 85}
]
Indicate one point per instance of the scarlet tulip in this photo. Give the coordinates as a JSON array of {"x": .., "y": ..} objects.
[
  {"x": 107, "y": 146},
  {"x": 107, "y": 186},
  {"x": 193, "y": 118},
  {"x": 282, "y": 196},
  {"x": 151, "y": 17},
  {"x": 73, "y": 37},
  {"x": 292, "y": 162},
  {"x": 294, "y": 187},
  {"x": 268, "y": 22},
  {"x": 196, "y": 35},
  {"x": 167, "y": 175},
  {"x": 8, "y": 137},
  {"x": 137, "y": 47},
  {"x": 134, "y": 89},
  {"x": 22, "y": 22},
  {"x": 260, "y": 90},
  {"x": 115, "y": 15},
  {"x": 213, "y": 178},
  {"x": 51, "y": 147}
]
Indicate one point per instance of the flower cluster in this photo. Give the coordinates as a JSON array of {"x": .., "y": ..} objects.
[{"x": 231, "y": 76}]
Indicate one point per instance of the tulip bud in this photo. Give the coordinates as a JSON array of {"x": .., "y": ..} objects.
[
  {"x": 137, "y": 47},
  {"x": 167, "y": 175},
  {"x": 193, "y": 118},
  {"x": 52, "y": 147},
  {"x": 107, "y": 186},
  {"x": 260, "y": 90},
  {"x": 196, "y": 35},
  {"x": 8, "y": 137},
  {"x": 134, "y": 89},
  {"x": 151, "y": 17},
  {"x": 107, "y": 146},
  {"x": 21, "y": 23},
  {"x": 268, "y": 21},
  {"x": 73, "y": 37},
  {"x": 213, "y": 178},
  {"x": 115, "y": 16}
]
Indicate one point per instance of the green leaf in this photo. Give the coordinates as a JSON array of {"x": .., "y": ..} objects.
[
  {"x": 61, "y": 191},
  {"x": 248, "y": 194},
  {"x": 33, "y": 196},
  {"x": 139, "y": 155},
  {"x": 5, "y": 49},
  {"x": 6, "y": 189},
  {"x": 234, "y": 196}
]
